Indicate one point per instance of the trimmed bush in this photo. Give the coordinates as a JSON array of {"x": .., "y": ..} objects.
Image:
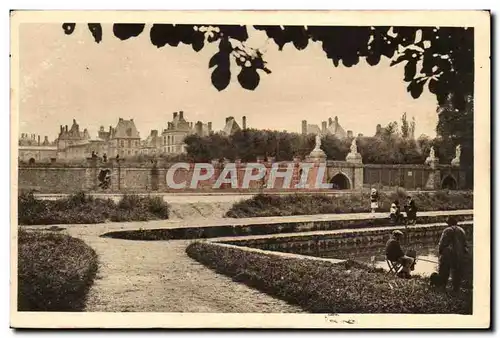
[
  {"x": 55, "y": 272},
  {"x": 84, "y": 209},
  {"x": 323, "y": 287},
  {"x": 263, "y": 205}
]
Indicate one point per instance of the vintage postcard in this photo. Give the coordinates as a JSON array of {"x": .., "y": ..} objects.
[{"x": 253, "y": 169}]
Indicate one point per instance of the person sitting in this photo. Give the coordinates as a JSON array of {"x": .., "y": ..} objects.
[
  {"x": 374, "y": 197},
  {"x": 411, "y": 210},
  {"x": 394, "y": 253},
  {"x": 395, "y": 213}
]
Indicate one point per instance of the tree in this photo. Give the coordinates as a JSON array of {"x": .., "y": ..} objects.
[
  {"x": 456, "y": 127},
  {"x": 405, "y": 128},
  {"x": 441, "y": 58}
]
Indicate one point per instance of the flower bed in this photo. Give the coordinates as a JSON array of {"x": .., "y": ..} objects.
[
  {"x": 55, "y": 272},
  {"x": 323, "y": 287},
  {"x": 83, "y": 209},
  {"x": 300, "y": 204}
]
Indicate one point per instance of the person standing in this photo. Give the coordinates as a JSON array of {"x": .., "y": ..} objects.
[
  {"x": 374, "y": 198},
  {"x": 452, "y": 254}
]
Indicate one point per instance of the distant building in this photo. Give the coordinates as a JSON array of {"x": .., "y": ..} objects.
[
  {"x": 124, "y": 140},
  {"x": 232, "y": 126},
  {"x": 173, "y": 137},
  {"x": 333, "y": 127},
  {"x": 32, "y": 150},
  {"x": 152, "y": 145},
  {"x": 73, "y": 136}
]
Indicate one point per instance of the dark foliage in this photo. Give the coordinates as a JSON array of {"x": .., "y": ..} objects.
[
  {"x": 80, "y": 208},
  {"x": 446, "y": 53},
  {"x": 248, "y": 144},
  {"x": 55, "y": 272},
  {"x": 321, "y": 287},
  {"x": 287, "y": 205}
]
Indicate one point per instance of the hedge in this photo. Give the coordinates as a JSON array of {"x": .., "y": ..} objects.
[
  {"x": 80, "y": 208},
  {"x": 323, "y": 287},
  {"x": 263, "y": 205},
  {"x": 55, "y": 272}
]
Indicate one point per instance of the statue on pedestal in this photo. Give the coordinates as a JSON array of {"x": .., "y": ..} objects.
[
  {"x": 432, "y": 159},
  {"x": 456, "y": 160},
  {"x": 353, "y": 155},
  {"x": 317, "y": 154},
  {"x": 318, "y": 143}
]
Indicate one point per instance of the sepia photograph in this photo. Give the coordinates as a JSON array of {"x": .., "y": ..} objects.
[{"x": 250, "y": 169}]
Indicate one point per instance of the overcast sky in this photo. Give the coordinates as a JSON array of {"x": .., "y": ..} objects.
[{"x": 64, "y": 77}]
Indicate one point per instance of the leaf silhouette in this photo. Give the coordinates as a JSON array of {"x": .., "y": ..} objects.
[
  {"x": 410, "y": 70},
  {"x": 416, "y": 87},
  {"x": 96, "y": 30},
  {"x": 221, "y": 76},
  {"x": 124, "y": 31},
  {"x": 162, "y": 34},
  {"x": 68, "y": 28},
  {"x": 249, "y": 78}
]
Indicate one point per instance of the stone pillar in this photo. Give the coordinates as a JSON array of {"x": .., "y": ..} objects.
[{"x": 357, "y": 177}]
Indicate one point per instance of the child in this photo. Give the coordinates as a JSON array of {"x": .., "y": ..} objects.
[{"x": 374, "y": 200}]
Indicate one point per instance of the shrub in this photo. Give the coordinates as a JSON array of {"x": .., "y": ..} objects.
[
  {"x": 310, "y": 204},
  {"x": 322, "y": 287},
  {"x": 55, "y": 272},
  {"x": 84, "y": 209}
]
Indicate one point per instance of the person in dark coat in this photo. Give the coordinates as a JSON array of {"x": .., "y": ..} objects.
[
  {"x": 411, "y": 210},
  {"x": 394, "y": 253},
  {"x": 452, "y": 254}
]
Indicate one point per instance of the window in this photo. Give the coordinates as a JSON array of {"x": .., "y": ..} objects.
[
  {"x": 164, "y": 140},
  {"x": 129, "y": 143},
  {"x": 122, "y": 144}
]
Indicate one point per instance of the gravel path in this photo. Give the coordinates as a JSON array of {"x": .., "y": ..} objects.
[{"x": 158, "y": 276}]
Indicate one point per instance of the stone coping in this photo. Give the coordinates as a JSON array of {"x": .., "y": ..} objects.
[
  {"x": 330, "y": 232},
  {"x": 229, "y": 193},
  {"x": 277, "y": 253}
]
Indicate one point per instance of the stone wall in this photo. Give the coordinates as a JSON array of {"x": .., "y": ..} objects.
[{"x": 151, "y": 177}]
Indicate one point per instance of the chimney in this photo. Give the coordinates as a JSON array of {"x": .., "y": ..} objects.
[
  {"x": 46, "y": 140},
  {"x": 120, "y": 119},
  {"x": 110, "y": 129},
  {"x": 330, "y": 121},
  {"x": 209, "y": 127},
  {"x": 244, "y": 122},
  {"x": 349, "y": 134},
  {"x": 323, "y": 127},
  {"x": 66, "y": 129},
  {"x": 38, "y": 139},
  {"x": 336, "y": 121},
  {"x": 360, "y": 135},
  {"x": 181, "y": 115},
  {"x": 175, "y": 115},
  {"x": 227, "y": 119},
  {"x": 199, "y": 128},
  {"x": 304, "y": 127},
  {"x": 61, "y": 128},
  {"x": 378, "y": 130},
  {"x": 74, "y": 121}
]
